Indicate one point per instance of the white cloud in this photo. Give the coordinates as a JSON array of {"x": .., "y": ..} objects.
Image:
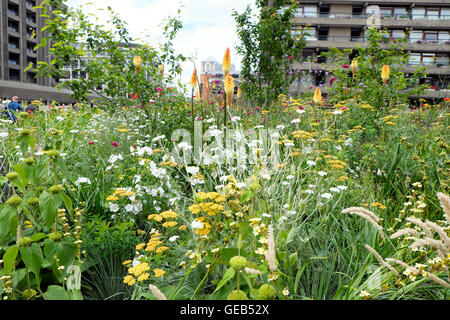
[{"x": 208, "y": 25}]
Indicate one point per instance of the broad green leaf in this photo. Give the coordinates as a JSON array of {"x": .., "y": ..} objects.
[
  {"x": 32, "y": 257},
  {"x": 56, "y": 293},
  {"x": 37, "y": 236},
  {"x": 228, "y": 275},
  {"x": 49, "y": 204},
  {"x": 9, "y": 259},
  {"x": 8, "y": 220}
]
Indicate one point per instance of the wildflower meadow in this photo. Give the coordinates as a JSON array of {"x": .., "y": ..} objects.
[{"x": 253, "y": 193}]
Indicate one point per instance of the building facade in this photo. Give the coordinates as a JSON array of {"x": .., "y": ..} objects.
[
  {"x": 20, "y": 31},
  {"x": 343, "y": 24}
]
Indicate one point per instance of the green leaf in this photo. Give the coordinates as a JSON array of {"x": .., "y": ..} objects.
[
  {"x": 37, "y": 236},
  {"x": 227, "y": 254},
  {"x": 49, "y": 205},
  {"x": 9, "y": 259},
  {"x": 8, "y": 221},
  {"x": 68, "y": 203},
  {"x": 32, "y": 257},
  {"x": 59, "y": 162},
  {"x": 246, "y": 195},
  {"x": 56, "y": 293},
  {"x": 3, "y": 180},
  {"x": 228, "y": 275}
]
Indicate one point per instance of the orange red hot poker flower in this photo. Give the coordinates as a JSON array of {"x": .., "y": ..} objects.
[
  {"x": 194, "y": 78},
  {"x": 226, "y": 65},
  {"x": 318, "y": 97},
  {"x": 385, "y": 73},
  {"x": 229, "y": 87}
]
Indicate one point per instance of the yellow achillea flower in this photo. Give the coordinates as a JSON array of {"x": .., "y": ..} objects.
[
  {"x": 385, "y": 73},
  {"x": 162, "y": 249},
  {"x": 127, "y": 262},
  {"x": 226, "y": 65},
  {"x": 229, "y": 87},
  {"x": 137, "y": 61},
  {"x": 194, "y": 78},
  {"x": 140, "y": 246},
  {"x": 182, "y": 228},
  {"x": 143, "y": 277},
  {"x": 318, "y": 97},
  {"x": 155, "y": 217},
  {"x": 129, "y": 279},
  {"x": 112, "y": 198},
  {"x": 169, "y": 224},
  {"x": 168, "y": 214},
  {"x": 159, "y": 272}
]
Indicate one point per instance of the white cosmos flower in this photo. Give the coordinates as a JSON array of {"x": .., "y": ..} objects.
[
  {"x": 113, "y": 158},
  {"x": 322, "y": 173}
]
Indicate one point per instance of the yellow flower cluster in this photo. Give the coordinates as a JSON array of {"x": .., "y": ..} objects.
[
  {"x": 300, "y": 134},
  {"x": 169, "y": 163},
  {"x": 138, "y": 272},
  {"x": 119, "y": 192},
  {"x": 337, "y": 164},
  {"x": 379, "y": 205}
]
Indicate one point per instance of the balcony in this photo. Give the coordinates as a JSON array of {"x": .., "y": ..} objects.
[
  {"x": 347, "y": 19},
  {"x": 347, "y": 42}
]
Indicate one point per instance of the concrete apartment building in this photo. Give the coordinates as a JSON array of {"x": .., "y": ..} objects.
[
  {"x": 343, "y": 24},
  {"x": 20, "y": 32}
]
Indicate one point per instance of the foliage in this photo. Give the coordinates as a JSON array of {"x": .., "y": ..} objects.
[{"x": 266, "y": 70}]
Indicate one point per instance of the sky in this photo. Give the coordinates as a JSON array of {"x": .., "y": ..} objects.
[{"x": 208, "y": 25}]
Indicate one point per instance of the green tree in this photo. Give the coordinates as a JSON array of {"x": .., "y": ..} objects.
[{"x": 268, "y": 48}]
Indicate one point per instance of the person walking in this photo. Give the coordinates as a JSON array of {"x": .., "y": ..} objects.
[{"x": 12, "y": 107}]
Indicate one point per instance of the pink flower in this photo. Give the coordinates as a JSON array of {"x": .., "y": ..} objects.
[
  {"x": 91, "y": 143},
  {"x": 291, "y": 57},
  {"x": 344, "y": 108},
  {"x": 159, "y": 89},
  {"x": 258, "y": 108},
  {"x": 114, "y": 144},
  {"x": 332, "y": 80},
  {"x": 264, "y": 120},
  {"x": 135, "y": 147},
  {"x": 301, "y": 108},
  {"x": 345, "y": 66},
  {"x": 249, "y": 113},
  {"x": 199, "y": 119}
]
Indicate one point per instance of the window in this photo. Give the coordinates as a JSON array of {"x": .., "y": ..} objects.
[
  {"x": 13, "y": 42},
  {"x": 13, "y": 9},
  {"x": 398, "y": 34},
  {"x": 14, "y": 75},
  {"x": 414, "y": 59},
  {"x": 14, "y": 58},
  {"x": 357, "y": 35},
  {"x": 387, "y": 12},
  {"x": 430, "y": 13},
  {"x": 13, "y": 25},
  {"x": 310, "y": 33},
  {"x": 31, "y": 17},
  {"x": 30, "y": 47},
  {"x": 425, "y": 59},
  {"x": 416, "y": 36},
  {"x": 324, "y": 11},
  {"x": 306, "y": 11},
  {"x": 442, "y": 61},
  {"x": 322, "y": 34},
  {"x": 31, "y": 77},
  {"x": 430, "y": 36},
  {"x": 307, "y": 55},
  {"x": 400, "y": 12}
]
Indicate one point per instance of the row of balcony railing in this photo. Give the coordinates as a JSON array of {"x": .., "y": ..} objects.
[
  {"x": 348, "y": 15},
  {"x": 364, "y": 39}
]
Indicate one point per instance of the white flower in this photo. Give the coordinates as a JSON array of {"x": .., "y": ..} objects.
[
  {"x": 336, "y": 112},
  {"x": 143, "y": 150},
  {"x": 322, "y": 173},
  {"x": 309, "y": 191},
  {"x": 338, "y": 148},
  {"x": 82, "y": 180},
  {"x": 173, "y": 238},
  {"x": 196, "y": 224},
  {"x": 295, "y": 121},
  {"x": 113, "y": 207},
  {"x": 184, "y": 146},
  {"x": 289, "y": 177},
  {"x": 310, "y": 163},
  {"x": 349, "y": 142},
  {"x": 342, "y": 187},
  {"x": 192, "y": 170},
  {"x": 326, "y": 195},
  {"x": 113, "y": 158},
  {"x": 158, "y": 138},
  {"x": 291, "y": 212},
  {"x": 59, "y": 118},
  {"x": 3, "y": 134},
  {"x": 333, "y": 189},
  {"x": 300, "y": 111}
]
